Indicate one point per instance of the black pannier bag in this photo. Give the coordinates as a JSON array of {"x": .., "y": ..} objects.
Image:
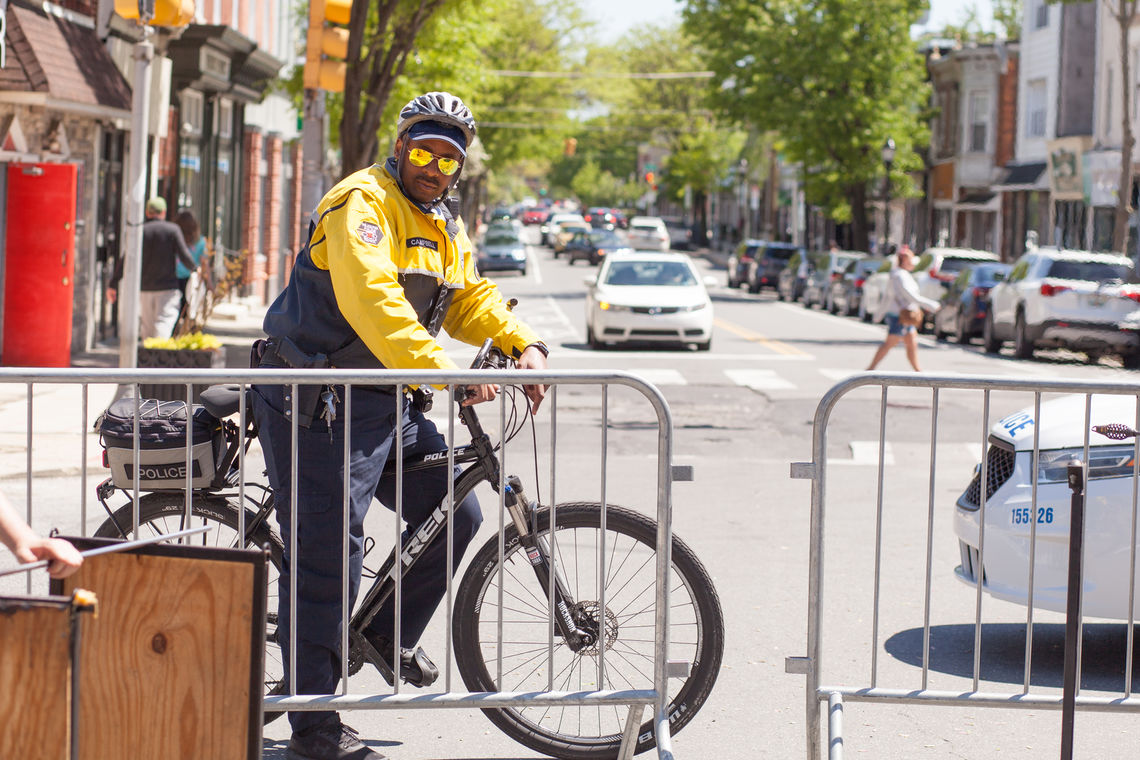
[{"x": 161, "y": 443}]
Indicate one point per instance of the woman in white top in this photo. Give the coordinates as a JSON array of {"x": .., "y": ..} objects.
[{"x": 902, "y": 293}]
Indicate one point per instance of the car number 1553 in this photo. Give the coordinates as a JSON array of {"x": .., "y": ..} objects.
[{"x": 1023, "y": 515}]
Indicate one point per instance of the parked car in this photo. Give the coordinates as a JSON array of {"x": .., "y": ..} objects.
[
  {"x": 648, "y": 233},
  {"x": 1062, "y": 298},
  {"x": 1011, "y": 513},
  {"x": 962, "y": 309},
  {"x": 680, "y": 236},
  {"x": 790, "y": 283},
  {"x": 826, "y": 269},
  {"x": 740, "y": 261},
  {"x": 502, "y": 250},
  {"x": 598, "y": 244},
  {"x": 766, "y": 266},
  {"x": 846, "y": 291},
  {"x": 648, "y": 296}
]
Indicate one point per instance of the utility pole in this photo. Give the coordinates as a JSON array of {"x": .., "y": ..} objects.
[
  {"x": 313, "y": 155},
  {"x": 129, "y": 285}
]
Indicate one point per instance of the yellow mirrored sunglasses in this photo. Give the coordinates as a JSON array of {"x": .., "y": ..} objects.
[{"x": 421, "y": 157}]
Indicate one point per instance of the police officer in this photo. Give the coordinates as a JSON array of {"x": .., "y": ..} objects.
[{"x": 387, "y": 261}]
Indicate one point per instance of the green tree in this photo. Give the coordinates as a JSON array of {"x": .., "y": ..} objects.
[{"x": 834, "y": 80}]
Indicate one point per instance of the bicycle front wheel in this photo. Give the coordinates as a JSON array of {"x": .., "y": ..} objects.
[
  {"x": 161, "y": 513},
  {"x": 628, "y": 585}
]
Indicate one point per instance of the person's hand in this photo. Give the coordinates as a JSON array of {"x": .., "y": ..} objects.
[
  {"x": 64, "y": 558},
  {"x": 477, "y": 394},
  {"x": 532, "y": 358},
  {"x": 112, "y": 294}
]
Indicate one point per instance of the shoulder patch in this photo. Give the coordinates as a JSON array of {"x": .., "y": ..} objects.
[
  {"x": 370, "y": 233},
  {"x": 419, "y": 242}
]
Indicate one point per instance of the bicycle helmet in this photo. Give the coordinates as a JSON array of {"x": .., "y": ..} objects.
[{"x": 437, "y": 106}]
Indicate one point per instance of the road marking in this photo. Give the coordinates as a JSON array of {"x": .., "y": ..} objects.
[
  {"x": 837, "y": 374},
  {"x": 575, "y": 352},
  {"x": 867, "y": 453},
  {"x": 758, "y": 379},
  {"x": 660, "y": 376},
  {"x": 532, "y": 266},
  {"x": 774, "y": 345}
]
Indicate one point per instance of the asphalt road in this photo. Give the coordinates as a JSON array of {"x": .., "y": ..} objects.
[{"x": 742, "y": 413}]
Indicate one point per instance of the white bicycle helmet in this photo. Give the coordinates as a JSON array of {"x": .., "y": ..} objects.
[{"x": 437, "y": 106}]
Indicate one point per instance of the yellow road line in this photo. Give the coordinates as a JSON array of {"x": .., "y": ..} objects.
[{"x": 777, "y": 346}]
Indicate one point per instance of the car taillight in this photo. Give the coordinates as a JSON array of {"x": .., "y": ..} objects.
[
  {"x": 1049, "y": 289},
  {"x": 1131, "y": 293},
  {"x": 859, "y": 283},
  {"x": 834, "y": 276},
  {"x": 979, "y": 292}
]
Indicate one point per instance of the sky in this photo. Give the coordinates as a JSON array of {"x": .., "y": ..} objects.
[{"x": 617, "y": 18}]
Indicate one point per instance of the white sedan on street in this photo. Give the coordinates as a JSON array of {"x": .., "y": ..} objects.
[
  {"x": 648, "y": 297},
  {"x": 1011, "y": 514}
]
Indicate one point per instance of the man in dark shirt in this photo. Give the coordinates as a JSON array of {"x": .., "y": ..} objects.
[{"x": 159, "y": 296}]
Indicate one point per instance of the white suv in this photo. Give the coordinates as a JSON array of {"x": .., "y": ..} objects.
[
  {"x": 648, "y": 233},
  {"x": 1057, "y": 298}
]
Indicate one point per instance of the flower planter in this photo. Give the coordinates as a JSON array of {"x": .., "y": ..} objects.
[{"x": 177, "y": 359}]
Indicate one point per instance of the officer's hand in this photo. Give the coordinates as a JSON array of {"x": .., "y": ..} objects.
[
  {"x": 532, "y": 358},
  {"x": 477, "y": 394}
]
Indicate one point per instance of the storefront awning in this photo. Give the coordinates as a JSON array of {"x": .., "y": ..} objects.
[
  {"x": 62, "y": 61},
  {"x": 977, "y": 201},
  {"x": 1023, "y": 177}
]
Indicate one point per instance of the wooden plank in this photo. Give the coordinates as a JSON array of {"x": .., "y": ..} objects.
[
  {"x": 165, "y": 669},
  {"x": 35, "y": 678}
]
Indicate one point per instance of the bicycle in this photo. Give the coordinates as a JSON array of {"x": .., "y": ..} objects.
[{"x": 582, "y": 628}]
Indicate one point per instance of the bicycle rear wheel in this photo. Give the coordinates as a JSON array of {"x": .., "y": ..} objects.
[
  {"x": 164, "y": 512},
  {"x": 574, "y": 732}
]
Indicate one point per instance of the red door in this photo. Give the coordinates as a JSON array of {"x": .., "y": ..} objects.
[{"x": 39, "y": 265}]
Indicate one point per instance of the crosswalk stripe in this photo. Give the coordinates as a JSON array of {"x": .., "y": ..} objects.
[
  {"x": 660, "y": 376},
  {"x": 758, "y": 379}
]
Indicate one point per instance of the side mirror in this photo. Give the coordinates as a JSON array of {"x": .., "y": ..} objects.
[
  {"x": 590, "y": 280},
  {"x": 710, "y": 281},
  {"x": 999, "y": 276}
]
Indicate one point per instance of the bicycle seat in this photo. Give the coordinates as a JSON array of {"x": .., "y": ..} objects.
[{"x": 224, "y": 400}]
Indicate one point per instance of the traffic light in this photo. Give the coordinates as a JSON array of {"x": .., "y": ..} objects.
[
  {"x": 326, "y": 43},
  {"x": 157, "y": 12},
  {"x": 651, "y": 180}
]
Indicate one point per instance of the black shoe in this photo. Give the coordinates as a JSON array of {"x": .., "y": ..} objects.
[
  {"x": 331, "y": 740},
  {"x": 416, "y": 668}
]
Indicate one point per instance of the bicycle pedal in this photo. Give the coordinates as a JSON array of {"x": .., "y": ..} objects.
[{"x": 416, "y": 668}]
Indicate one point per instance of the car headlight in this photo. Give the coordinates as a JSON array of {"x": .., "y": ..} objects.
[
  {"x": 694, "y": 307},
  {"x": 607, "y": 306},
  {"x": 1104, "y": 462}
]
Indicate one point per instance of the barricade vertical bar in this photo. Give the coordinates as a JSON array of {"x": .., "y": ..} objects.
[
  {"x": 664, "y": 565},
  {"x": 1132, "y": 561},
  {"x": 1080, "y": 607},
  {"x": 135, "y": 459},
  {"x": 981, "y": 542},
  {"x": 502, "y": 486},
  {"x": 1077, "y": 476},
  {"x": 28, "y": 470},
  {"x": 295, "y": 462},
  {"x": 399, "y": 598},
  {"x": 929, "y": 538},
  {"x": 242, "y": 390},
  {"x": 449, "y": 612},
  {"x": 83, "y": 457},
  {"x": 601, "y": 559},
  {"x": 878, "y": 540},
  {"x": 815, "y": 582},
  {"x": 346, "y": 480},
  {"x": 553, "y": 540},
  {"x": 187, "y": 509},
  {"x": 1032, "y": 544}
]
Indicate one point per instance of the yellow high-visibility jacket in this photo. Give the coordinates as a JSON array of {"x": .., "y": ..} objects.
[{"x": 362, "y": 290}]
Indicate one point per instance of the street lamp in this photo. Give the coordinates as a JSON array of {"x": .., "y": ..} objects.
[{"x": 888, "y": 154}]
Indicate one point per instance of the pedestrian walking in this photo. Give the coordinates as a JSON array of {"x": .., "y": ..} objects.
[
  {"x": 902, "y": 307},
  {"x": 388, "y": 262},
  {"x": 192, "y": 234},
  {"x": 162, "y": 246}
]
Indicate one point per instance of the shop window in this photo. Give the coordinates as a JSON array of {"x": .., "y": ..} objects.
[
  {"x": 1035, "y": 108},
  {"x": 979, "y": 120},
  {"x": 192, "y": 108}
]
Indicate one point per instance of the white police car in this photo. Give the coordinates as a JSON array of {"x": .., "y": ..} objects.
[{"x": 1011, "y": 515}]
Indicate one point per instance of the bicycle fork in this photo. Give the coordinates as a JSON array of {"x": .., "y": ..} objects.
[{"x": 575, "y": 627}]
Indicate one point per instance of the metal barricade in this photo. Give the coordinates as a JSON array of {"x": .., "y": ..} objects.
[
  {"x": 555, "y": 694},
  {"x": 884, "y": 545}
]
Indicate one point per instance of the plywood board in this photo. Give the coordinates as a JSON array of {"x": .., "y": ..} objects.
[
  {"x": 35, "y": 678},
  {"x": 167, "y": 668}
]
